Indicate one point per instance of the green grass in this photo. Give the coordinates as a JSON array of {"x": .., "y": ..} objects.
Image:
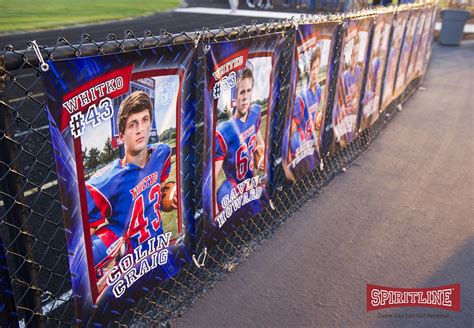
[
  {"x": 170, "y": 219},
  {"x": 24, "y": 15}
]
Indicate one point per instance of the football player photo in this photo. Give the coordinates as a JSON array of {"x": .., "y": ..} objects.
[
  {"x": 349, "y": 85},
  {"x": 405, "y": 55},
  {"x": 308, "y": 112},
  {"x": 240, "y": 145},
  {"x": 242, "y": 89},
  {"x": 134, "y": 197},
  {"x": 373, "y": 86},
  {"x": 308, "y": 109},
  {"x": 393, "y": 56},
  {"x": 350, "y": 78},
  {"x": 424, "y": 44},
  {"x": 122, "y": 127},
  {"x": 411, "y": 73}
]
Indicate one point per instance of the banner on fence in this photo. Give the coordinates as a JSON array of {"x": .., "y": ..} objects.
[
  {"x": 425, "y": 42},
  {"x": 349, "y": 82},
  {"x": 241, "y": 91},
  {"x": 121, "y": 126},
  {"x": 430, "y": 32},
  {"x": 312, "y": 68},
  {"x": 378, "y": 58},
  {"x": 405, "y": 54},
  {"x": 411, "y": 71},
  {"x": 399, "y": 24}
]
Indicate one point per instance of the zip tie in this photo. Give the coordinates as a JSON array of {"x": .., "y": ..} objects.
[
  {"x": 196, "y": 42},
  {"x": 47, "y": 296},
  {"x": 295, "y": 23},
  {"x": 272, "y": 205},
  {"x": 44, "y": 66},
  {"x": 321, "y": 165},
  {"x": 201, "y": 258}
]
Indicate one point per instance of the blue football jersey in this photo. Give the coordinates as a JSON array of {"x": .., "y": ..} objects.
[
  {"x": 235, "y": 145},
  {"x": 371, "y": 84},
  {"x": 312, "y": 99},
  {"x": 304, "y": 125},
  {"x": 350, "y": 84},
  {"x": 129, "y": 197},
  {"x": 302, "y": 160},
  {"x": 375, "y": 67}
]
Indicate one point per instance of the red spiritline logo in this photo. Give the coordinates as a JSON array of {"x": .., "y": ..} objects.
[{"x": 442, "y": 297}]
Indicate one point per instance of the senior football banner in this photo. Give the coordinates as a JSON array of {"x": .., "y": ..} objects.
[
  {"x": 349, "y": 83},
  {"x": 423, "y": 42},
  {"x": 376, "y": 63},
  {"x": 411, "y": 71},
  {"x": 312, "y": 69},
  {"x": 405, "y": 54},
  {"x": 431, "y": 36},
  {"x": 241, "y": 92},
  {"x": 399, "y": 24},
  {"x": 429, "y": 30},
  {"x": 121, "y": 126}
]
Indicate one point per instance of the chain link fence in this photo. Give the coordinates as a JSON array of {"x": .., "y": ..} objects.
[{"x": 38, "y": 292}]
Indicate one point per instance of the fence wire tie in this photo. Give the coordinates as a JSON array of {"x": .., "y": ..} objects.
[
  {"x": 46, "y": 296},
  {"x": 272, "y": 206},
  {"x": 196, "y": 41},
  {"x": 321, "y": 165},
  {"x": 44, "y": 67},
  {"x": 201, "y": 259},
  {"x": 295, "y": 22}
]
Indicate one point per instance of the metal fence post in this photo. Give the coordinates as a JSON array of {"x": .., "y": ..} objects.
[
  {"x": 8, "y": 316},
  {"x": 19, "y": 245}
]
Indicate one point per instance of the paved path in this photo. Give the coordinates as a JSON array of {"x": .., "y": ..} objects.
[{"x": 402, "y": 215}]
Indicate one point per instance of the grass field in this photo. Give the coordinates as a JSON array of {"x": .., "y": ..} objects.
[
  {"x": 170, "y": 219},
  {"x": 24, "y": 15}
]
